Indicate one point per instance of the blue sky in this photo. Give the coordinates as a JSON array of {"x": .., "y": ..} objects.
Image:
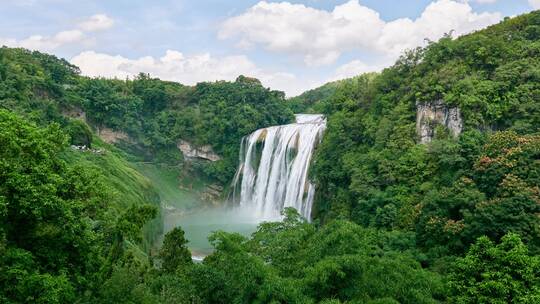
[{"x": 290, "y": 46}]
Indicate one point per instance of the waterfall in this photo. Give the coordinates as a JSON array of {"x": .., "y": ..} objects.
[{"x": 274, "y": 165}]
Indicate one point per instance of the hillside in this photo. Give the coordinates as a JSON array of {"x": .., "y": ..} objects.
[
  {"x": 372, "y": 170},
  {"x": 84, "y": 148}
]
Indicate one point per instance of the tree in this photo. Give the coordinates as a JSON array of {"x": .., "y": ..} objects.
[
  {"x": 79, "y": 133},
  {"x": 360, "y": 278},
  {"x": 496, "y": 273},
  {"x": 51, "y": 250},
  {"x": 174, "y": 253}
]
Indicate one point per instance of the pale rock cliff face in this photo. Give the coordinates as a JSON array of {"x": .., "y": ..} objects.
[
  {"x": 431, "y": 114},
  {"x": 110, "y": 136},
  {"x": 190, "y": 151}
]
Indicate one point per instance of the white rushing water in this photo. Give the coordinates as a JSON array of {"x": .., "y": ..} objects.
[{"x": 274, "y": 165}]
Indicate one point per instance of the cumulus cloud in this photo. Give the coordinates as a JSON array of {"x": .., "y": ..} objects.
[
  {"x": 354, "y": 68},
  {"x": 68, "y": 36},
  {"x": 175, "y": 66},
  {"x": 62, "y": 38},
  {"x": 98, "y": 22},
  {"x": 44, "y": 43},
  {"x": 322, "y": 36},
  {"x": 535, "y": 4}
]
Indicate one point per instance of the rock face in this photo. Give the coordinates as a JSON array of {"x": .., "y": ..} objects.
[
  {"x": 212, "y": 194},
  {"x": 204, "y": 152},
  {"x": 431, "y": 114},
  {"x": 75, "y": 113},
  {"x": 110, "y": 136}
]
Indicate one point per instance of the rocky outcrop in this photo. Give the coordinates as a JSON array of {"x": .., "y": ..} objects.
[
  {"x": 212, "y": 194},
  {"x": 191, "y": 151},
  {"x": 75, "y": 113},
  {"x": 431, "y": 114},
  {"x": 110, "y": 136}
]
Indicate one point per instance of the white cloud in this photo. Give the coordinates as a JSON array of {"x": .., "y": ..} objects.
[
  {"x": 535, "y": 4},
  {"x": 322, "y": 36},
  {"x": 175, "y": 66},
  {"x": 96, "y": 22},
  {"x": 68, "y": 36},
  {"x": 354, "y": 68},
  {"x": 44, "y": 43},
  {"x": 62, "y": 38}
]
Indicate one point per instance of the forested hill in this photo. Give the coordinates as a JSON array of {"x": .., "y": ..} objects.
[
  {"x": 481, "y": 178},
  {"x": 445, "y": 208},
  {"x": 151, "y": 115},
  {"x": 73, "y": 207}
]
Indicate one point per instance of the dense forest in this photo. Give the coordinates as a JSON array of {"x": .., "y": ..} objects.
[{"x": 454, "y": 220}]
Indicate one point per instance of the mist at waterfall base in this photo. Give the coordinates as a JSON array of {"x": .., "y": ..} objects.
[
  {"x": 272, "y": 175},
  {"x": 199, "y": 224}
]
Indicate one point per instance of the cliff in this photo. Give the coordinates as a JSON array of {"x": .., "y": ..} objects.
[
  {"x": 191, "y": 151},
  {"x": 431, "y": 114}
]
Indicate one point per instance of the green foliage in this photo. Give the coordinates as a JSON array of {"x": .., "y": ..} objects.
[
  {"x": 79, "y": 133},
  {"x": 291, "y": 261},
  {"x": 174, "y": 253},
  {"x": 23, "y": 282},
  {"x": 496, "y": 273},
  {"x": 129, "y": 225},
  {"x": 338, "y": 261},
  {"x": 46, "y": 229},
  {"x": 360, "y": 278},
  {"x": 105, "y": 103},
  {"x": 126, "y": 285},
  {"x": 157, "y": 114},
  {"x": 369, "y": 167},
  {"x": 58, "y": 235},
  {"x": 393, "y": 220},
  {"x": 305, "y": 102},
  {"x": 252, "y": 107}
]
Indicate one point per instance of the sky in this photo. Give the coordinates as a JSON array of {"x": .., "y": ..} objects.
[{"x": 290, "y": 46}]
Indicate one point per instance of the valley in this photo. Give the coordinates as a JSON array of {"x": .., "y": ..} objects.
[{"x": 419, "y": 183}]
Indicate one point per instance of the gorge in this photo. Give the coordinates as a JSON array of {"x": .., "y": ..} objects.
[
  {"x": 417, "y": 184},
  {"x": 273, "y": 174}
]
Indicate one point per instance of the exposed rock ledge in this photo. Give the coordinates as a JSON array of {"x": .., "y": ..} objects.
[
  {"x": 110, "y": 136},
  {"x": 204, "y": 152},
  {"x": 431, "y": 114},
  {"x": 75, "y": 113}
]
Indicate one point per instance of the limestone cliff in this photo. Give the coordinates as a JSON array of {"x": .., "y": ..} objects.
[
  {"x": 431, "y": 114},
  {"x": 203, "y": 152}
]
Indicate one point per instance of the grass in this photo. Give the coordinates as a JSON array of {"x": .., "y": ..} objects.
[
  {"x": 167, "y": 180},
  {"x": 129, "y": 186}
]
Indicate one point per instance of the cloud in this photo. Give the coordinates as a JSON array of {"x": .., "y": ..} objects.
[
  {"x": 354, "y": 68},
  {"x": 62, "y": 38},
  {"x": 320, "y": 36},
  {"x": 68, "y": 36},
  {"x": 98, "y": 22},
  {"x": 175, "y": 66},
  {"x": 535, "y": 4},
  {"x": 38, "y": 42}
]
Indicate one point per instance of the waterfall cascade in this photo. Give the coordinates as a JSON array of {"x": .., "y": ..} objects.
[{"x": 274, "y": 164}]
